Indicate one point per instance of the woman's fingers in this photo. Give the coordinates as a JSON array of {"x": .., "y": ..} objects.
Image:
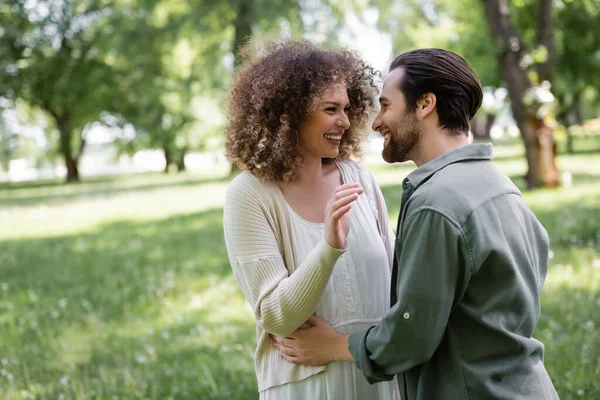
[
  {"x": 343, "y": 201},
  {"x": 340, "y": 212},
  {"x": 337, "y": 195}
]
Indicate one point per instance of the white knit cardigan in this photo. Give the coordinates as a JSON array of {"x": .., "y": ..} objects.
[{"x": 259, "y": 244}]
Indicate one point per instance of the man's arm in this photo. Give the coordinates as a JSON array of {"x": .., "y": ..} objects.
[{"x": 432, "y": 264}]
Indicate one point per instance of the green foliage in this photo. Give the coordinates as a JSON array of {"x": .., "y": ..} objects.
[
  {"x": 102, "y": 298},
  {"x": 460, "y": 26}
]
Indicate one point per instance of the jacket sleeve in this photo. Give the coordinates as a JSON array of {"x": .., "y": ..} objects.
[
  {"x": 281, "y": 303},
  {"x": 431, "y": 253}
]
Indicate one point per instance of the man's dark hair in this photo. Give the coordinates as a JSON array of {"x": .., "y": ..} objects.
[{"x": 447, "y": 75}]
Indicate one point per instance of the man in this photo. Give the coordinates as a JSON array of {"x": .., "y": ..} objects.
[{"x": 470, "y": 258}]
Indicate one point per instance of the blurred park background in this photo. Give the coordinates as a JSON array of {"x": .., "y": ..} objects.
[{"x": 114, "y": 280}]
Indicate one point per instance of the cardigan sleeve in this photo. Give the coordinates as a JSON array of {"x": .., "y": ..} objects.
[{"x": 281, "y": 302}]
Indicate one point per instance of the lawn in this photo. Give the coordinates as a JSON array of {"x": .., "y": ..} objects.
[{"x": 120, "y": 288}]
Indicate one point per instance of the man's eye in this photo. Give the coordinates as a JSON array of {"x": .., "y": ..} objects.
[{"x": 330, "y": 109}]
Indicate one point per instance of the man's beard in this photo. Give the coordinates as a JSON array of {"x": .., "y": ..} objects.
[{"x": 404, "y": 136}]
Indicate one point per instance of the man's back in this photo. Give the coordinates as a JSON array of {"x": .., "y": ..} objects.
[{"x": 487, "y": 347}]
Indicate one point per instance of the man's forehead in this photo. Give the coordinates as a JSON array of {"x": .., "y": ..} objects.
[{"x": 393, "y": 79}]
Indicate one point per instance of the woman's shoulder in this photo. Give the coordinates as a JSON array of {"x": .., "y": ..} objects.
[
  {"x": 247, "y": 187},
  {"x": 357, "y": 170}
]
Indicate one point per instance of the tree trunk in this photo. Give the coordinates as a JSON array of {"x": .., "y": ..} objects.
[
  {"x": 489, "y": 123},
  {"x": 544, "y": 31},
  {"x": 482, "y": 129},
  {"x": 540, "y": 149},
  {"x": 243, "y": 28},
  {"x": 168, "y": 158},
  {"x": 181, "y": 161},
  {"x": 66, "y": 148},
  {"x": 576, "y": 108}
]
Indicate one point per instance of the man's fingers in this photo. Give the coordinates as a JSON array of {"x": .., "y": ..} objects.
[
  {"x": 292, "y": 359},
  {"x": 284, "y": 341},
  {"x": 314, "y": 321},
  {"x": 288, "y": 351}
]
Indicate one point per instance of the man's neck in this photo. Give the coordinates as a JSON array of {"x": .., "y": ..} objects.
[{"x": 436, "y": 143}]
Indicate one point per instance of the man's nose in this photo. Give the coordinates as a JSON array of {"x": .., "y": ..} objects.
[{"x": 377, "y": 123}]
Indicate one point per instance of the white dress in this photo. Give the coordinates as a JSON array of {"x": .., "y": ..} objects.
[{"x": 356, "y": 297}]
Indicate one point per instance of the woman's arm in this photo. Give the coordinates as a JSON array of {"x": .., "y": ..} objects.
[{"x": 281, "y": 303}]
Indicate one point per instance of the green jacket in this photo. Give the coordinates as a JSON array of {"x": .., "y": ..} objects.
[{"x": 470, "y": 263}]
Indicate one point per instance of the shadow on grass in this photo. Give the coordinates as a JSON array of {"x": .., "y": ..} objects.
[
  {"x": 181, "y": 365},
  {"x": 78, "y": 308},
  {"x": 120, "y": 264},
  {"x": 54, "y": 192}
]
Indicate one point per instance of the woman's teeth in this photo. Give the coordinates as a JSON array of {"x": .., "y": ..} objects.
[{"x": 334, "y": 137}]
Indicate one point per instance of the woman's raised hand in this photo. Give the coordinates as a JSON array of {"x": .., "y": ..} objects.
[{"x": 337, "y": 216}]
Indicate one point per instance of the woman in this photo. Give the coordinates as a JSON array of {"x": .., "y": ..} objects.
[{"x": 297, "y": 114}]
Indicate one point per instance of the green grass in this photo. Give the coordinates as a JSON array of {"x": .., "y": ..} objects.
[{"x": 120, "y": 287}]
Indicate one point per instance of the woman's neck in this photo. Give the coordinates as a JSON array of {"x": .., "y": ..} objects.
[{"x": 311, "y": 172}]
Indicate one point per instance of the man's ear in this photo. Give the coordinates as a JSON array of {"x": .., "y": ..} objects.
[{"x": 426, "y": 105}]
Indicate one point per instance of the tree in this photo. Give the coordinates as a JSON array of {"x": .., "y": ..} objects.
[
  {"x": 577, "y": 72},
  {"x": 57, "y": 56},
  {"x": 540, "y": 148}
]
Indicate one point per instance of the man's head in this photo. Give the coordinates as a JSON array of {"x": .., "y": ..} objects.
[{"x": 426, "y": 89}]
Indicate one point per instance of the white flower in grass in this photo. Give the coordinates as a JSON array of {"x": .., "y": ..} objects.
[
  {"x": 580, "y": 392},
  {"x": 590, "y": 325},
  {"x": 86, "y": 304},
  {"x": 62, "y": 303},
  {"x": 54, "y": 314},
  {"x": 32, "y": 296},
  {"x": 166, "y": 335},
  {"x": 64, "y": 380},
  {"x": 140, "y": 358},
  {"x": 151, "y": 351},
  {"x": 4, "y": 286}
]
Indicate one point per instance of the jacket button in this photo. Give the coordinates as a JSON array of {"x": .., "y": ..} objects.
[{"x": 406, "y": 315}]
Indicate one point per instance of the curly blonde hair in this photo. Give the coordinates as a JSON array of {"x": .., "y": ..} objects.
[{"x": 273, "y": 94}]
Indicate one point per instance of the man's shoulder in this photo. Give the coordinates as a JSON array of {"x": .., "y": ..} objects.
[{"x": 459, "y": 189}]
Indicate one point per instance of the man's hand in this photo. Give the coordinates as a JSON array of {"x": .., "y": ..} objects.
[{"x": 317, "y": 345}]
